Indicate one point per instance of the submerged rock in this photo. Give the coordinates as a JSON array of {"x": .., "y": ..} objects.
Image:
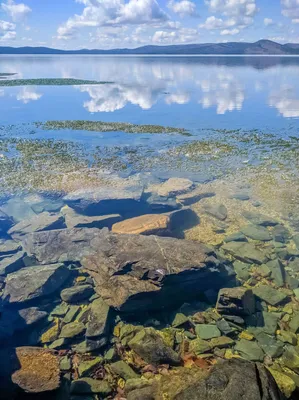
[
  {"x": 76, "y": 294},
  {"x": 75, "y": 220},
  {"x": 174, "y": 187},
  {"x": 256, "y": 233},
  {"x": 37, "y": 223},
  {"x": 8, "y": 247},
  {"x": 150, "y": 224},
  {"x": 236, "y": 301},
  {"x": 134, "y": 272},
  {"x": 270, "y": 295},
  {"x": 259, "y": 219},
  {"x": 106, "y": 199},
  {"x": 99, "y": 322},
  {"x": 149, "y": 345},
  {"x": 34, "y": 282},
  {"x": 249, "y": 350},
  {"x": 12, "y": 263},
  {"x": 217, "y": 211},
  {"x": 245, "y": 252},
  {"x": 36, "y": 370},
  {"x": 233, "y": 380},
  {"x": 89, "y": 385}
]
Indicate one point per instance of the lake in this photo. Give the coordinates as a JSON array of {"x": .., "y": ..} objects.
[{"x": 197, "y": 148}]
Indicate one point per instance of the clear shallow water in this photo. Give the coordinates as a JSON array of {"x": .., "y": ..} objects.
[{"x": 192, "y": 92}]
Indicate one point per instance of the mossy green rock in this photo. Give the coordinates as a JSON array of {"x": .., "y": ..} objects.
[
  {"x": 222, "y": 342},
  {"x": 294, "y": 324},
  {"x": 60, "y": 310},
  {"x": 256, "y": 233},
  {"x": 77, "y": 293},
  {"x": 269, "y": 295},
  {"x": 123, "y": 370},
  {"x": 72, "y": 330},
  {"x": 242, "y": 270},
  {"x": 249, "y": 350},
  {"x": 88, "y": 385},
  {"x": 149, "y": 345},
  {"x": 290, "y": 358},
  {"x": 288, "y": 337},
  {"x": 179, "y": 319},
  {"x": 277, "y": 272},
  {"x": 205, "y": 331},
  {"x": 71, "y": 314},
  {"x": 199, "y": 346},
  {"x": 65, "y": 364},
  {"x": 85, "y": 367}
]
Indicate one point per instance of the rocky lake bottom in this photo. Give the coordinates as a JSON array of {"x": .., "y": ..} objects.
[
  {"x": 151, "y": 260},
  {"x": 123, "y": 285}
]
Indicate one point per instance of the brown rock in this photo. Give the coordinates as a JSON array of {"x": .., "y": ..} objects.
[
  {"x": 38, "y": 370},
  {"x": 151, "y": 224}
]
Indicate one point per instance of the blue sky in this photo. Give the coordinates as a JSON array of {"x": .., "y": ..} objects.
[{"x": 73, "y": 24}]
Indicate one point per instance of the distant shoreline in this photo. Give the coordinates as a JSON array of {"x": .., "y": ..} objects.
[
  {"x": 156, "y": 55},
  {"x": 231, "y": 49}
]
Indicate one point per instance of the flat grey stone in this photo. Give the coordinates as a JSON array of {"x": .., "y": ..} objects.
[
  {"x": 37, "y": 223},
  {"x": 8, "y": 247},
  {"x": 206, "y": 332},
  {"x": 235, "y": 237},
  {"x": 34, "y": 282},
  {"x": 12, "y": 263},
  {"x": 277, "y": 272},
  {"x": 77, "y": 293},
  {"x": 249, "y": 350},
  {"x": 269, "y": 295},
  {"x": 245, "y": 252},
  {"x": 259, "y": 219},
  {"x": 72, "y": 330},
  {"x": 256, "y": 233},
  {"x": 75, "y": 220},
  {"x": 218, "y": 211}
]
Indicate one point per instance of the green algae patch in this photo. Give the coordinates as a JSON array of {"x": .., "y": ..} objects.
[
  {"x": 98, "y": 126},
  {"x": 49, "y": 82}
]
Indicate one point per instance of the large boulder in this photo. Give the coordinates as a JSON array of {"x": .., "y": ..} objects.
[
  {"x": 41, "y": 222},
  {"x": 234, "y": 380},
  {"x": 61, "y": 245},
  {"x": 34, "y": 282},
  {"x": 228, "y": 380},
  {"x": 135, "y": 272},
  {"x": 28, "y": 369}
]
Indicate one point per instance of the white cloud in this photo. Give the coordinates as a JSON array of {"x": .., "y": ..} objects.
[
  {"x": 222, "y": 91},
  {"x": 16, "y": 11},
  {"x": 177, "y": 98},
  {"x": 230, "y": 32},
  {"x": 238, "y": 14},
  {"x": 183, "y": 7},
  {"x": 109, "y": 98},
  {"x": 103, "y": 13},
  {"x": 246, "y": 8},
  {"x": 183, "y": 35},
  {"x": 28, "y": 94},
  {"x": 212, "y": 23},
  {"x": 290, "y": 9},
  {"x": 268, "y": 21},
  {"x": 285, "y": 101},
  {"x": 7, "y": 31}
]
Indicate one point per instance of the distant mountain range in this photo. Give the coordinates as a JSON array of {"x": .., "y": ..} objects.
[{"x": 262, "y": 47}]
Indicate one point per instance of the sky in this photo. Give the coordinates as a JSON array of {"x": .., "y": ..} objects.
[{"x": 105, "y": 24}]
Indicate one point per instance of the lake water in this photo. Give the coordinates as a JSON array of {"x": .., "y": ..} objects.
[{"x": 226, "y": 128}]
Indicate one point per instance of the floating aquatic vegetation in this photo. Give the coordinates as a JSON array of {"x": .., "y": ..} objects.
[
  {"x": 98, "y": 126},
  {"x": 49, "y": 82}
]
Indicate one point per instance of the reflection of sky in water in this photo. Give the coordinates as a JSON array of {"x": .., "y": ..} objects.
[{"x": 192, "y": 92}]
